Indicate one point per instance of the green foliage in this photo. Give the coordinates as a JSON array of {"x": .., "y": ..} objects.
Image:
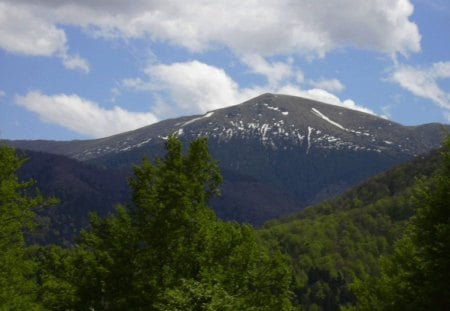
[
  {"x": 194, "y": 295},
  {"x": 340, "y": 241},
  {"x": 416, "y": 276},
  {"x": 56, "y": 271},
  {"x": 17, "y": 284},
  {"x": 167, "y": 251},
  {"x": 345, "y": 246}
]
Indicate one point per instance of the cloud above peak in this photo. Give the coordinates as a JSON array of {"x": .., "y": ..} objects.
[
  {"x": 178, "y": 89},
  {"x": 284, "y": 27},
  {"x": 332, "y": 85},
  {"x": 274, "y": 72},
  {"x": 423, "y": 82},
  {"x": 195, "y": 87}
]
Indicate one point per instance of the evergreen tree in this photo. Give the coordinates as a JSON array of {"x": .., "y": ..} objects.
[{"x": 18, "y": 288}]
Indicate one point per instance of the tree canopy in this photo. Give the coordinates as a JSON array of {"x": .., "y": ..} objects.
[
  {"x": 416, "y": 276},
  {"x": 18, "y": 288},
  {"x": 167, "y": 250}
]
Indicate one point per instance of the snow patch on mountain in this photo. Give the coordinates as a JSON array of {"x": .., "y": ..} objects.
[
  {"x": 309, "y": 138},
  {"x": 321, "y": 115},
  {"x": 273, "y": 132},
  {"x": 284, "y": 113},
  {"x": 207, "y": 115},
  {"x": 324, "y": 117}
]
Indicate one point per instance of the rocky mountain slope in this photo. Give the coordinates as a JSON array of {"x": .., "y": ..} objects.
[
  {"x": 277, "y": 153},
  {"x": 271, "y": 119}
]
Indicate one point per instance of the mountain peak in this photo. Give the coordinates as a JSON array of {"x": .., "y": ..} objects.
[
  {"x": 277, "y": 153},
  {"x": 275, "y": 121}
]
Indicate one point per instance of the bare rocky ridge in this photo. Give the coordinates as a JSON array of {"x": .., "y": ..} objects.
[{"x": 271, "y": 119}]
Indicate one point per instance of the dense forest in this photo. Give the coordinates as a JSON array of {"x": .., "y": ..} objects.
[{"x": 382, "y": 246}]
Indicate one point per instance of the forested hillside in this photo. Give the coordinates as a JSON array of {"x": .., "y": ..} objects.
[
  {"x": 383, "y": 245},
  {"x": 81, "y": 188},
  {"x": 340, "y": 241}
]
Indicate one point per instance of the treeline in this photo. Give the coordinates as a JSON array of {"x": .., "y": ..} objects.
[{"x": 382, "y": 246}]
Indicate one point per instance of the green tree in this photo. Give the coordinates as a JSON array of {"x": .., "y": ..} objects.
[
  {"x": 431, "y": 236},
  {"x": 56, "y": 272},
  {"x": 168, "y": 251},
  {"x": 416, "y": 276},
  {"x": 18, "y": 289}
]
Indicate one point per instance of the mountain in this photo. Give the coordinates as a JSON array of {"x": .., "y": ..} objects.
[
  {"x": 272, "y": 119},
  {"x": 277, "y": 153}
]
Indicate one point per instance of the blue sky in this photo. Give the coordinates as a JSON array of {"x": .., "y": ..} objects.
[{"x": 94, "y": 68}]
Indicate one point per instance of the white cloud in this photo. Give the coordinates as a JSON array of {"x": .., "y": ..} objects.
[
  {"x": 136, "y": 84},
  {"x": 332, "y": 85},
  {"x": 323, "y": 96},
  {"x": 440, "y": 70},
  {"x": 326, "y": 97},
  {"x": 247, "y": 27},
  {"x": 299, "y": 77},
  {"x": 76, "y": 63},
  {"x": 2, "y": 93},
  {"x": 194, "y": 88},
  {"x": 33, "y": 30},
  {"x": 387, "y": 114},
  {"x": 274, "y": 72},
  {"x": 23, "y": 32},
  {"x": 83, "y": 116},
  {"x": 178, "y": 88},
  {"x": 423, "y": 82}
]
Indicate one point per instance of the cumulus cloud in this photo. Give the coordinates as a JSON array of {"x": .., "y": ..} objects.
[
  {"x": 31, "y": 30},
  {"x": 423, "y": 82},
  {"x": 332, "y": 85},
  {"x": 329, "y": 98},
  {"x": 194, "y": 87},
  {"x": 23, "y": 32},
  {"x": 271, "y": 27},
  {"x": 274, "y": 72},
  {"x": 83, "y": 116},
  {"x": 76, "y": 62}
]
